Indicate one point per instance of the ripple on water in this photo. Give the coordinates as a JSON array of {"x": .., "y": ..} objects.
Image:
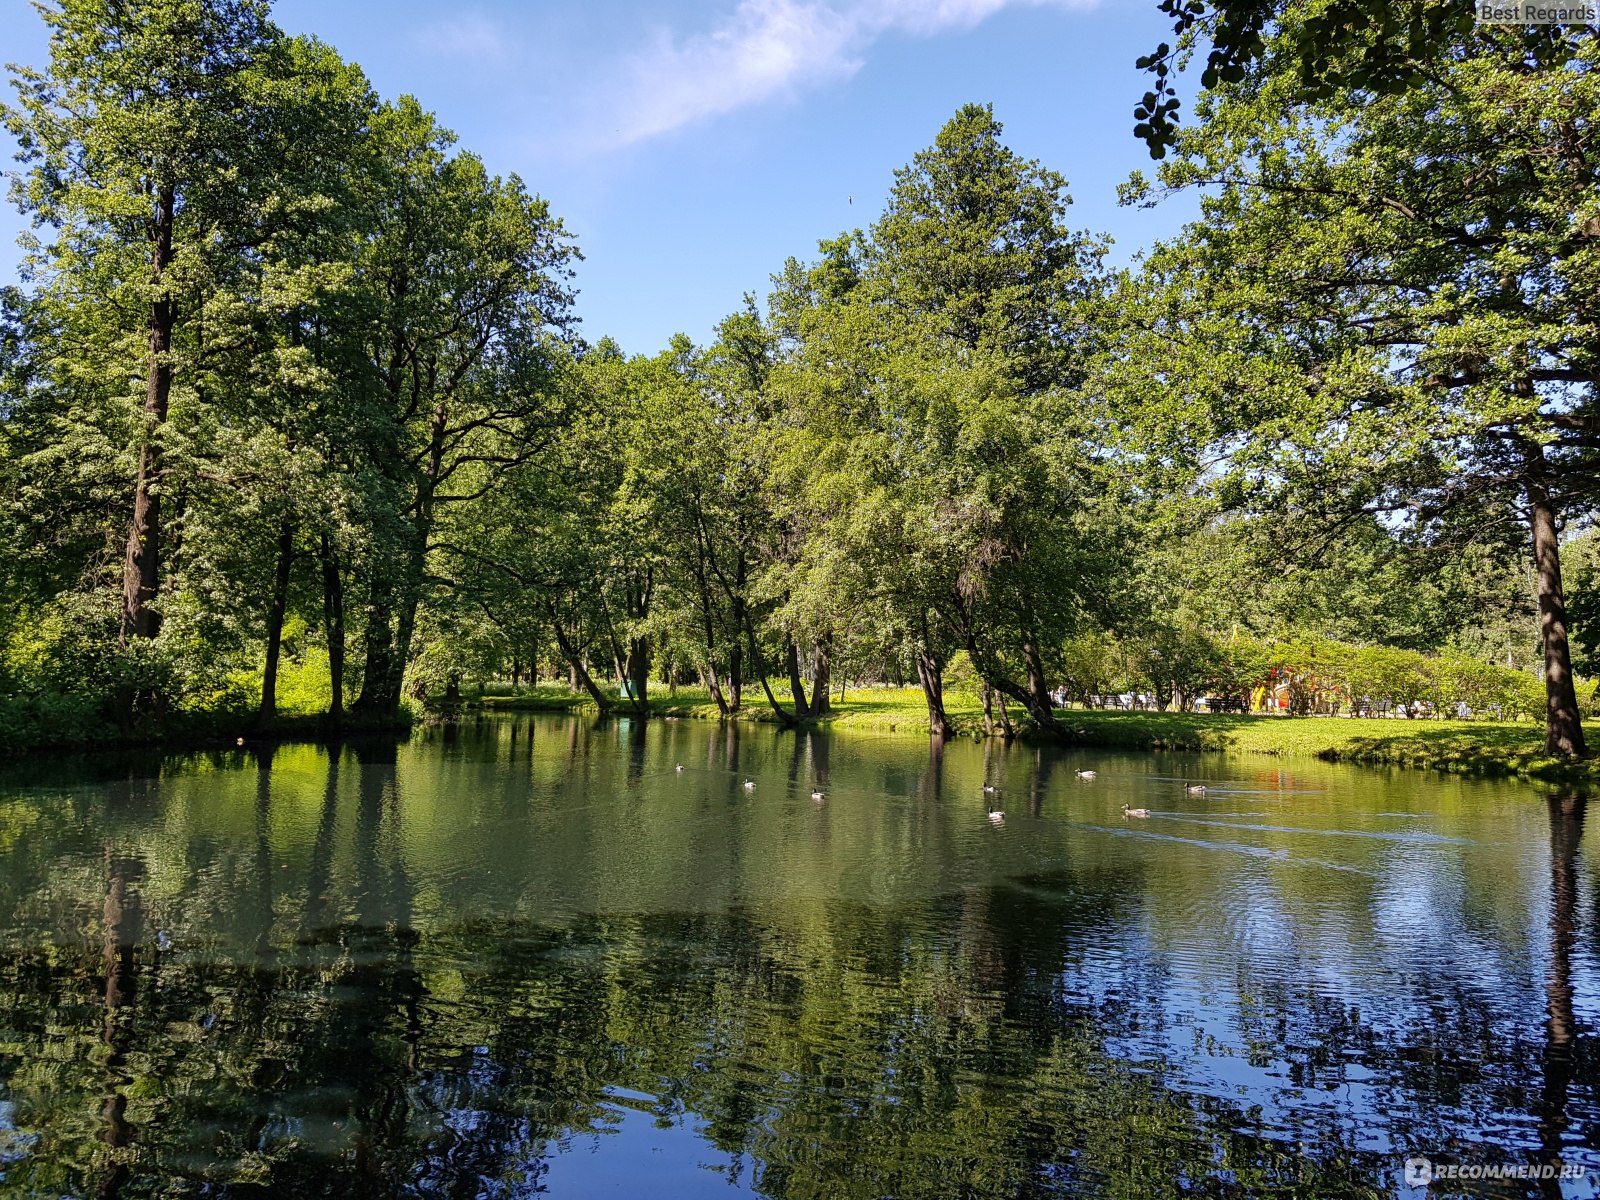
[{"x": 565, "y": 963}]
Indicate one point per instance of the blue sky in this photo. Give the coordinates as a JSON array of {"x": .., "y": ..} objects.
[{"x": 693, "y": 145}]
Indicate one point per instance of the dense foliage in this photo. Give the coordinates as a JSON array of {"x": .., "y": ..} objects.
[{"x": 296, "y": 418}]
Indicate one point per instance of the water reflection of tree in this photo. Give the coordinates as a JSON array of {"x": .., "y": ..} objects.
[
  {"x": 932, "y": 1046},
  {"x": 1566, "y": 836},
  {"x": 122, "y": 929}
]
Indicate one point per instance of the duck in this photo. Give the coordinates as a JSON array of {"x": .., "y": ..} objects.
[
  {"x": 1195, "y": 789},
  {"x": 1086, "y": 774},
  {"x": 1135, "y": 812},
  {"x": 997, "y": 818},
  {"x": 749, "y": 785},
  {"x": 678, "y": 768},
  {"x": 238, "y": 741},
  {"x": 988, "y": 789},
  {"x": 817, "y": 796}
]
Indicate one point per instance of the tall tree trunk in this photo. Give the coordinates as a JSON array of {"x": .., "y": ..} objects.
[
  {"x": 405, "y": 634},
  {"x": 141, "y": 566},
  {"x": 619, "y": 667},
  {"x": 333, "y": 628},
  {"x": 1563, "y": 734},
  {"x": 709, "y": 627},
  {"x": 275, "y": 616},
  {"x": 821, "y": 672},
  {"x": 1007, "y": 729},
  {"x": 990, "y": 672},
  {"x": 708, "y": 617},
  {"x": 1038, "y": 689},
  {"x": 414, "y": 563},
  {"x": 759, "y": 667},
  {"x": 579, "y": 671},
  {"x": 638, "y": 671},
  {"x": 740, "y": 609},
  {"x": 714, "y": 686},
  {"x": 930, "y": 673},
  {"x": 797, "y": 686},
  {"x": 406, "y": 621},
  {"x": 378, "y": 639}
]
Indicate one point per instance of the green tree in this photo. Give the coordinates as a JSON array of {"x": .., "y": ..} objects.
[
  {"x": 162, "y": 140},
  {"x": 936, "y": 425},
  {"x": 1342, "y": 45},
  {"x": 1387, "y": 305},
  {"x": 468, "y": 278}
]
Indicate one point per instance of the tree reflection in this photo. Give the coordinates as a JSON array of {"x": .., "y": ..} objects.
[
  {"x": 1010, "y": 1033},
  {"x": 122, "y": 927},
  {"x": 1566, "y": 835}
]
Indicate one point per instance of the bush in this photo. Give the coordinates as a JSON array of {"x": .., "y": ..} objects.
[
  {"x": 44, "y": 719},
  {"x": 959, "y": 673}
]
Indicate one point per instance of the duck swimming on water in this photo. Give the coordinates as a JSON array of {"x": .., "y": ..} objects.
[{"x": 1135, "y": 812}]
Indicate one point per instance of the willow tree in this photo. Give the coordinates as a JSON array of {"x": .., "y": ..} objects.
[{"x": 1388, "y": 304}]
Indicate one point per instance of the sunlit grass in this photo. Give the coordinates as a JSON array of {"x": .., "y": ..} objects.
[{"x": 1477, "y": 747}]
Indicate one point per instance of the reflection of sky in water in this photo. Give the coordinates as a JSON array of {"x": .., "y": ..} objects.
[
  {"x": 1338, "y": 962},
  {"x": 1216, "y": 994},
  {"x": 14, "y": 1143},
  {"x": 638, "y": 1152}
]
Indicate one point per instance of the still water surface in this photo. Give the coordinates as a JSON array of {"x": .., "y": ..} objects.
[{"x": 530, "y": 956}]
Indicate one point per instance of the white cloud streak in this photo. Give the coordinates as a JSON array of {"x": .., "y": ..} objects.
[
  {"x": 770, "y": 48},
  {"x": 473, "y": 38}
]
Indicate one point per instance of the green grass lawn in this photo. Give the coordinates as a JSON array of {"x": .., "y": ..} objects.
[{"x": 1471, "y": 747}]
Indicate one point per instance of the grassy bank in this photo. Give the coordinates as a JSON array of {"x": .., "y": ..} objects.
[{"x": 1466, "y": 747}]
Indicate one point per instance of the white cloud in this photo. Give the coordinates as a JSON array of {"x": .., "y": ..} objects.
[
  {"x": 475, "y": 38},
  {"x": 768, "y": 48}
]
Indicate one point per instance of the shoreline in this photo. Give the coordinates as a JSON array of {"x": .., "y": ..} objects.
[
  {"x": 1481, "y": 748},
  {"x": 214, "y": 732},
  {"x": 1474, "y": 748}
]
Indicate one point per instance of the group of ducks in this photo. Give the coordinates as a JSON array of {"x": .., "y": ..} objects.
[
  {"x": 750, "y": 785},
  {"x": 1193, "y": 789}
]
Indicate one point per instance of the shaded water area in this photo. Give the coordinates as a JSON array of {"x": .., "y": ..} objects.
[{"x": 530, "y": 956}]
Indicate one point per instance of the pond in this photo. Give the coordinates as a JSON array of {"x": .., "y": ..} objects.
[{"x": 541, "y": 955}]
